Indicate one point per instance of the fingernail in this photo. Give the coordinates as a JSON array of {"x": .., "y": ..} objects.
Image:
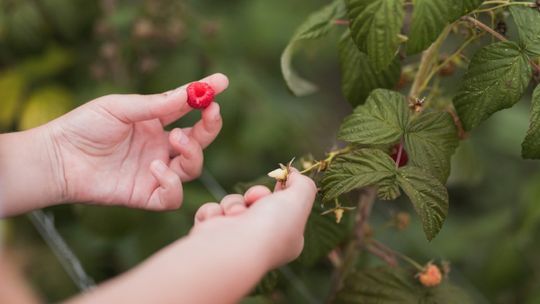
[
  {"x": 159, "y": 166},
  {"x": 182, "y": 137}
]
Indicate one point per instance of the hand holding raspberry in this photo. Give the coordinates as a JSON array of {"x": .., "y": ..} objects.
[{"x": 200, "y": 95}]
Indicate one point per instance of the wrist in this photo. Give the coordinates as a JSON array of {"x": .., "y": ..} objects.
[{"x": 30, "y": 171}]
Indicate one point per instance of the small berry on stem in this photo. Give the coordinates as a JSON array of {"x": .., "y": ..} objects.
[
  {"x": 200, "y": 95},
  {"x": 431, "y": 275}
]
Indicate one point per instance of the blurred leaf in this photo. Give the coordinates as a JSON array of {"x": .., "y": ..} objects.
[
  {"x": 527, "y": 20},
  {"x": 109, "y": 222},
  {"x": 531, "y": 144},
  {"x": 52, "y": 61},
  {"x": 380, "y": 121},
  {"x": 44, "y": 105},
  {"x": 362, "y": 168},
  {"x": 428, "y": 196},
  {"x": 385, "y": 285},
  {"x": 497, "y": 77},
  {"x": 467, "y": 166},
  {"x": 359, "y": 77},
  {"x": 26, "y": 28},
  {"x": 268, "y": 283},
  {"x": 430, "y": 17},
  {"x": 375, "y": 26},
  {"x": 12, "y": 85},
  {"x": 317, "y": 25},
  {"x": 256, "y": 300},
  {"x": 322, "y": 234},
  {"x": 69, "y": 17},
  {"x": 430, "y": 140}
]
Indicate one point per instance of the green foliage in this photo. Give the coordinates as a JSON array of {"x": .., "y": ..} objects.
[
  {"x": 375, "y": 26},
  {"x": 380, "y": 121},
  {"x": 431, "y": 16},
  {"x": 359, "y": 77},
  {"x": 365, "y": 167},
  {"x": 395, "y": 285},
  {"x": 322, "y": 235},
  {"x": 496, "y": 79},
  {"x": 527, "y": 20},
  {"x": 430, "y": 137},
  {"x": 317, "y": 25},
  {"x": 531, "y": 144},
  {"x": 12, "y": 86},
  {"x": 428, "y": 196}
]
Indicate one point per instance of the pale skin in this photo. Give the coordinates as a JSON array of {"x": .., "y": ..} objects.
[{"x": 114, "y": 151}]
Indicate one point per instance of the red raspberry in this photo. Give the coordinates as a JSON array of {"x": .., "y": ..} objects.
[
  {"x": 200, "y": 95},
  {"x": 404, "y": 157}
]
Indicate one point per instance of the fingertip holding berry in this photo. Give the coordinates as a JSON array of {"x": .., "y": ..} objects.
[{"x": 200, "y": 95}]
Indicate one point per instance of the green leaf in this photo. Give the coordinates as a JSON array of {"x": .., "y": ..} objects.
[
  {"x": 527, "y": 20},
  {"x": 268, "y": 283},
  {"x": 321, "y": 236},
  {"x": 496, "y": 79},
  {"x": 366, "y": 167},
  {"x": 359, "y": 76},
  {"x": 428, "y": 196},
  {"x": 317, "y": 25},
  {"x": 380, "y": 121},
  {"x": 430, "y": 141},
  {"x": 531, "y": 145},
  {"x": 386, "y": 285},
  {"x": 430, "y": 17},
  {"x": 375, "y": 26}
]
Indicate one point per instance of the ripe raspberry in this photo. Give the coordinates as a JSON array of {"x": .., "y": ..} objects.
[
  {"x": 200, "y": 95},
  {"x": 404, "y": 157},
  {"x": 431, "y": 276}
]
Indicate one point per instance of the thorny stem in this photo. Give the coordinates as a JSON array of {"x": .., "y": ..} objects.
[
  {"x": 320, "y": 165},
  {"x": 365, "y": 204},
  {"x": 428, "y": 57}
]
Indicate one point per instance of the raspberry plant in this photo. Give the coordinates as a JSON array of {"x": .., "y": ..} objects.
[{"x": 394, "y": 73}]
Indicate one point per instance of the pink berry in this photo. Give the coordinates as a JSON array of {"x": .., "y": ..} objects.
[
  {"x": 431, "y": 276},
  {"x": 200, "y": 95}
]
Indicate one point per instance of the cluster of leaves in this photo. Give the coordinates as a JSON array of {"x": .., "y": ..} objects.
[{"x": 380, "y": 35}]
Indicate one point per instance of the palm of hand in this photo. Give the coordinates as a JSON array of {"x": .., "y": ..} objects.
[{"x": 110, "y": 162}]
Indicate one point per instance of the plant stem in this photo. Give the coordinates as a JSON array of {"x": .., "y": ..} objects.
[
  {"x": 399, "y": 154},
  {"x": 426, "y": 63},
  {"x": 365, "y": 204},
  {"x": 484, "y": 27},
  {"x": 330, "y": 157}
]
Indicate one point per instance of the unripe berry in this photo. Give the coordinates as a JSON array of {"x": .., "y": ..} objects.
[
  {"x": 431, "y": 276},
  {"x": 200, "y": 95}
]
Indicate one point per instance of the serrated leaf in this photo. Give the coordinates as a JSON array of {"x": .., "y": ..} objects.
[
  {"x": 527, "y": 20},
  {"x": 380, "y": 121},
  {"x": 430, "y": 17},
  {"x": 388, "y": 189},
  {"x": 322, "y": 234},
  {"x": 430, "y": 141},
  {"x": 428, "y": 196},
  {"x": 497, "y": 77},
  {"x": 361, "y": 168},
  {"x": 316, "y": 25},
  {"x": 375, "y": 26},
  {"x": 385, "y": 285},
  {"x": 531, "y": 145},
  {"x": 359, "y": 77}
]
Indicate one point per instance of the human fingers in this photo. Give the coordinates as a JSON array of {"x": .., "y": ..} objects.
[
  {"x": 188, "y": 164},
  {"x": 169, "y": 194}
]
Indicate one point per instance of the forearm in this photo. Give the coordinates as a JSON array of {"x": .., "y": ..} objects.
[
  {"x": 219, "y": 266},
  {"x": 28, "y": 172}
]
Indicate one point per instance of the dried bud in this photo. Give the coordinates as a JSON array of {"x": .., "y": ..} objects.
[
  {"x": 338, "y": 212},
  {"x": 431, "y": 276},
  {"x": 279, "y": 174},
  {"x": 403, "y": 219}
]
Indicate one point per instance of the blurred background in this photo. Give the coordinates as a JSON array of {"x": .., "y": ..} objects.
[{"x": 58, "y": 54}]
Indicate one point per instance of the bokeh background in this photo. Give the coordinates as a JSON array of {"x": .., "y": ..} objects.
[{"x": 58, "y": 54}]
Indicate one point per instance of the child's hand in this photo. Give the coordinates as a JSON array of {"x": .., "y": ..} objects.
[
  {"x": 114, "y": 149},
  {"x": 275, "y": 220}
]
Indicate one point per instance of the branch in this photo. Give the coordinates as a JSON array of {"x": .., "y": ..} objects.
[{"x": 365, "y": 204}]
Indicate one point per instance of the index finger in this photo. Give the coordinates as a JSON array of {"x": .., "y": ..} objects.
[{"x": 218, "y": 82}]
